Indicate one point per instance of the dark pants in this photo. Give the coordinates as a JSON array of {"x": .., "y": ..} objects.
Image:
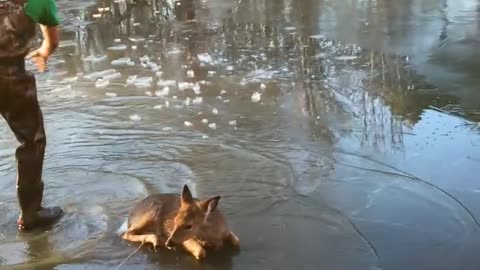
[{"x": 19, "y": 107}]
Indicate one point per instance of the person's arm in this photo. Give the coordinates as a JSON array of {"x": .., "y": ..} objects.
[
  {"x": 44, "y": 12},
  {"x": 50, "y": 42}
]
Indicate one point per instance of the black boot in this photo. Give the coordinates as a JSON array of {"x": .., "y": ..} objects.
[{"x": 33, "y": 215}]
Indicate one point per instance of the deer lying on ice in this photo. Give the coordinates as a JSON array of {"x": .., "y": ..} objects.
[{"x": 182, "y": 220}]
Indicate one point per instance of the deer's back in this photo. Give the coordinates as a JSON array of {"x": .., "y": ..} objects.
[{"x": 155, "y": 209}]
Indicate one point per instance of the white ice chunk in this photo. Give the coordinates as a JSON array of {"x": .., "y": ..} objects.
[
  {"x": 163, "y": 92},
  {"x": 131, "y": 79},
  {"x": 95, "y": 59},
  {"x": 124, "y": 61},
  {"x": 346, "y": 57},
  {"x": 135, "y": 117},
  {"x": 196, "y": 89},
  {"x": 204, "y": 57},
  {"x": 119, "y": 47},
  {"x": 256, "y": 97},
  {"x": 112, "y": 76},
  {"x": 185, "y": 85},
  {"x": 101, "y": 83},
  {"x": 61, "y": 89},
  {"x": 164, "y": 83},
  {"x": 197, "y": 100}
]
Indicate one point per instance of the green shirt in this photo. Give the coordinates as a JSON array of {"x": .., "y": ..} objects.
[{"x": 43, "y": 12}]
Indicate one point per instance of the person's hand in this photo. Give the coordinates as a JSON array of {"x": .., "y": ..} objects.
[{"x": 40, "y": 57}]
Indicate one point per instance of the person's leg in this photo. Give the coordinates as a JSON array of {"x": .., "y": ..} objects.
[{"x": 25, "y": 119}]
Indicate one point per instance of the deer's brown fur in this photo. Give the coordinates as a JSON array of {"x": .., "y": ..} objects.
[{"x": 180, "y": 220}]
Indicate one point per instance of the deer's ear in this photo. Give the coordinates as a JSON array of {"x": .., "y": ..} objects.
[
  {"x": 209, "y": 204},
  {"x": 186, "y": 195}
]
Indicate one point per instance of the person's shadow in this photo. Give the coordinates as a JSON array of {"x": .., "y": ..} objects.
[{"x": 37, "y": 252}]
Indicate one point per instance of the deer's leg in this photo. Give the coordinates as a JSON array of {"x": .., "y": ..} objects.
[
  {"x": 143, "y": 238},
  {"x": 233, "y": 239},
  {"x": 192, "y": 246}
]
